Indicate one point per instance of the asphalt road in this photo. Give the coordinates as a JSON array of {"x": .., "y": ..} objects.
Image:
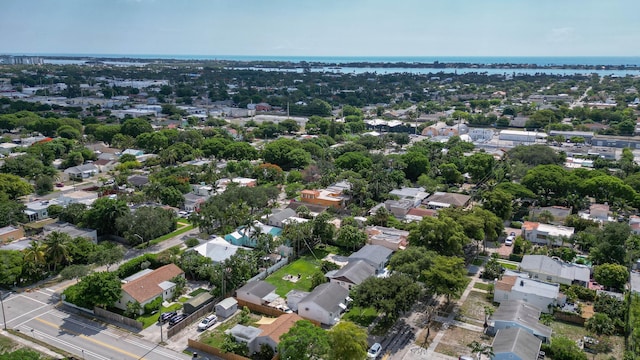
[{"x": 34, "y": 314}]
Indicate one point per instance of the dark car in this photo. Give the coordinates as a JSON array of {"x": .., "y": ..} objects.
[
  {"x": 166, "y": 316},
  {"x": 176, "y": 319}
]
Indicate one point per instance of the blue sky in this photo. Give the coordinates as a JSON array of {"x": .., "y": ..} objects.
[{"x": 323, "y": 27}]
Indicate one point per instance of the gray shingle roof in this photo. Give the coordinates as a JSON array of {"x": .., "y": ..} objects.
[
  {"x": 525, "y": 314},
  {"x": 328, "y": 296},
  {"x": 355, "y": 272},
  {"x": 257, "y": 288},
  {"x": 516, "y": 341},
  {"x": 281, "y": 215},
  {"x": 373, "y": 254}
]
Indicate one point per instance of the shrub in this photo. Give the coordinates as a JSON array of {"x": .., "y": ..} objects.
[
  {"x": 153, "y": 306},
  {"x": 191, "y": 242},
  {"x": 516, "y": 224}
]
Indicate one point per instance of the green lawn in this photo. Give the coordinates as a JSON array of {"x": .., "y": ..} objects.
[
  {"x": 197, "y": 292},
  {"x": 508, "y": 266},
  {"x": 181, "y": 230},
  {"x": 304, "y": 266},
  {"x": 150, "y": 319},
  {"x": 576, "y": 332},
  {"x": 361, "y": 316},
  {"x": 482, "y": 286}
]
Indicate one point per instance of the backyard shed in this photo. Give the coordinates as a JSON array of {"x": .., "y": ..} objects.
[
  {"x": 197, "y": 302},
  {"x": 226, "y": 307}
]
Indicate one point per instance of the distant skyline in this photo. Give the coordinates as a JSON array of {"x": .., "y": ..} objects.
[{"x": 322, "y": 27}]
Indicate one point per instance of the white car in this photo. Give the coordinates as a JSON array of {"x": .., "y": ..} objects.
[
  {"x": 509, "y": 240},
  {"x": 374, "y": 351},
  {"x": 207, "y": 322}
]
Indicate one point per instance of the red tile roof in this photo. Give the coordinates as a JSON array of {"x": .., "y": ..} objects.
[{"x": 147, "y": 286}]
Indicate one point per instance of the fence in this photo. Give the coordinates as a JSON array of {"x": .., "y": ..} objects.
[
  {"x": 118, "y": 318},
  {"x": 214, "y": 351},
  {"x": 266, "y": 310},
  {"x": 192, "y": 318},
  {"x": 75, "y": 308},
  {"x": 569, "y": 317},
  {"x": 270, "y": 270}
]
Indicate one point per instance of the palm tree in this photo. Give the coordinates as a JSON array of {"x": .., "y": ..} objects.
[
  {"x": 35, "y": 258},
  {"x": 57, "y": 248},
  {"x": 481, "y": 349},
  {"x": 488, "y": 311}
]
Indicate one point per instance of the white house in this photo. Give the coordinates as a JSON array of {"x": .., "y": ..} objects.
[
  {"x": 555, "y": 271},
  {"x": 81, "y": 171},
  {"x": 218, "y": 249},
  {"x": 147, "y": 285},
  {"x": 257, "y": 292},
  {"x": 541, "y": 294},
  {"x": 324, "y": 304},
  {"x": 545, "y": 234},
  {"x": 391, "y": 238}
]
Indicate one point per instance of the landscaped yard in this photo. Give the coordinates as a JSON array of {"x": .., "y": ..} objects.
[
  {"x": 361, "y": 316},
  {"x": 305, "y": 267},
  {"x": 577, "y": 332},
  {"x": 482, "y": 286},
  {"x": 150, "y": 319},
  {"x": 215, "y": 337},
  {"x": 508, "y": 265}
]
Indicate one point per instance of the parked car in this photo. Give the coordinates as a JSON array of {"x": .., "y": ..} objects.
[
  {"x": 166, "y": 316},
  {"x": 509, "y": 240},
  {"x": 374, "y": 351},
  {"x": 465, "y": 358},
  {"x": 59, "y": 184},
  {"x": 513, "y": 234},
  {"x": 207, "y": 322},
  {"x": 176, "y": 319}
]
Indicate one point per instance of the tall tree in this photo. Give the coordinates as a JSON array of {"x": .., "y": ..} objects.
[
  {"x": 447, "y": 276},
  {"x": 304, "y": 341},
  {"x": 348, "y": 341},
  {"x": 442, "y": 235}
]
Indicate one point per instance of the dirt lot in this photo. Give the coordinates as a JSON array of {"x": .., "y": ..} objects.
[
  {"x": 455, "y": 340},
  {"x": 472, "y": 310}
]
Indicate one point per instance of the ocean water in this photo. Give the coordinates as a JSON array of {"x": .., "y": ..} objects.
[{"x": 533, "y": 60}]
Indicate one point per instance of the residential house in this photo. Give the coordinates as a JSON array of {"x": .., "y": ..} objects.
[
  {"x": 515, "y": 344},
  {"x": 541, "y": 294},
  {"x": 77, "y": 197},
  {"x": 38, "y": 210},
  {"x": 599, "y": 212},
  {"x": 279, "y": 218},
  {"x": 375, "y": 255},
  {"x": 270, "y": 333},
  {"x": 105, "y": 165},
  {"x": 439, "y": 200},
  {"x": 519, "y": 314},
  {"x": 193, "y": 201},
  {"x": 10, "y": 233},
  {"x": 226, "y": 308},
  {"x": 294, "y": 297},
  {"x": 247, "y": 235},
  {"x": 138, "y": 181},
  {"x": 257, "y": 292},
  {"x": 558, "y": 213},
  {"x": 71, "y": 230},
  {"x": 147, "y": 285},
  {"x": 324, "y": 304},
  {"x": 352, "y": 274},
  {"x": 263, "y": 107},
  {"x": 415, "y": 195},
  {"x": 390, "y": 238},
  {"x": 81, "y": 172},
  {"x": 134, "y": 152},
  {"x": 545, "y": 234},
  {"x": 247, "y": 335},
  {"x": 418, "y": 213},
  {"x": 398, "y": 208},
  {"x": 334, "y": 196},
  {"x": 634, "y": 223},
  {"x": 221, "y": 184},
  {"x": 218, "y": 249},
  {"x": 555, "y": 271},
  {"x": 6, "y": 148}
]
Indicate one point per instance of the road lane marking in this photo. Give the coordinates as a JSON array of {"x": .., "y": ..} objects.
[
  {"x": 37, "y": 333},
  {"x": 27, "y": 313},
  {"x": 98, "y": 342},
  {"x": 38, "y": 301}
]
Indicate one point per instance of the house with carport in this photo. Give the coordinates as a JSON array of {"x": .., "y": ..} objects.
[{"x": 324, "y": 304}]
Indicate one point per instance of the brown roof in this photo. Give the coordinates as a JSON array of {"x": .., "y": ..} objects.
[
  {"x": 281, "y": 326},
  {"x": 422, "y": 212},
  {"x": 506, "y": 283},
  {"x": 147, "y": 286},
  {"x": 530, "y": 225},
  {"x": 103, "y": 162}
]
